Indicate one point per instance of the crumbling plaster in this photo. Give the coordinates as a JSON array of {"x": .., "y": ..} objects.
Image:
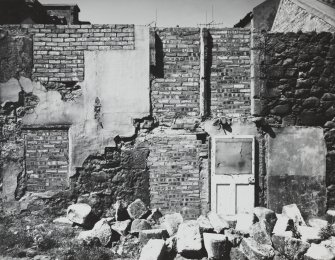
[{"x": 124, "y": 96}]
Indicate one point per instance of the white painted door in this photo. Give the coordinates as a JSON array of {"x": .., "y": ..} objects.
[{"x": 232, "y": 174}]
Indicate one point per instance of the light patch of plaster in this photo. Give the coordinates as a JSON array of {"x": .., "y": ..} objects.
[
  {"x": 11, "y": 171},
  {"x": 9, "y": 91}
]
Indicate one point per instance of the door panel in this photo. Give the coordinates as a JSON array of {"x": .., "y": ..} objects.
[{"x": 232, "y": 174}]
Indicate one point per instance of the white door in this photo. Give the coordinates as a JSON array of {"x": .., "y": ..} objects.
[{"x": 232, "y": 174}]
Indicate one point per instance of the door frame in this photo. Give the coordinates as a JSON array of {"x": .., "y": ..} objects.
[{"x": 212, "y": 193}]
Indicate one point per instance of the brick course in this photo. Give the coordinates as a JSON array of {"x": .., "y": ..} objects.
[
  {"x": 174, "y": 163},
  {"x": 230, "y": 72},
  {"x": 176, "y": 94},
  {"x": 46, "y": 153}
]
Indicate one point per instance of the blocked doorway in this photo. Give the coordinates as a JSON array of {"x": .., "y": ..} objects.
[
  {"x": 233, "y": 174},
  {"x": 46, "y": 158}
]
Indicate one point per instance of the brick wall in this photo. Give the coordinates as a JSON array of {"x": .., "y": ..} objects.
[
  {"x": 58, "y": 50},
  {"x": 230, "y": 72},
  {"x": 175, "y": 89},
  {"x": 175, "y": 165},
  {"x": 46, "y": 159}
]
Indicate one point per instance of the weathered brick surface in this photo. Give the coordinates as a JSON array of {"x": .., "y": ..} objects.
[
  {"x": 175, "y": 91},
  {"x": 174, "y": 164},
  {"x": 58, "y": 50},
  {"x": 230, "y": 72},
  {"x": 46, "y": 154}
]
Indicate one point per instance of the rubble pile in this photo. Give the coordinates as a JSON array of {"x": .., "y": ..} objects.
[{"x": 261, "y": 235}]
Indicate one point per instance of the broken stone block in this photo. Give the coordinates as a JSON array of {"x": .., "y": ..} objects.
[
  {"x": 153, "y": 250},
  {"x": 137, "y": 209},
  {"x": 231, "y": 220},
  {"x": 266, "y": 214},
  {"x": 237, "y": 254},
  {"x": 290, "y": 247},
  {"x": 256, "y": 251},
  {"x": 101, "y": 230},
  {"x": 260, "y": 233},
  {"x": 138, "y": 225},
  {"x": 171, "y": 222},
  {"x": 317, "y": 223},
  {"x": 330, "y": 244},
  {"x": 155, "y": 216},
  {"x": 205, "y": 225},
  {"x": 234, "y": 239},
  {"x": 283, "y": 224},
  {"x": 216, "y": 245},
  {"x": 218, "y": 223},
  {"x": 309, "y": 234},
  {"x": 189, "y": 239},
  {"x": 244, "y": 222},
  {"x": 62, "y": 220},
  {"x": 122, "y": 227},
  {"x": 318, "y": 252},
  {"x": 145, "y": 235},
  {"x": 79, "y": 213},
  {"x": 291, "y": 211}
]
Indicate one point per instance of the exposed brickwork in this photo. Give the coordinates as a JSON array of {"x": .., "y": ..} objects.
[
  {"x": 46, "y": 156},
  {"x": 230, "y": 72},
  {"x": 58, "y": 50},
  {"x": 175, "y": 94},
  {"x": 174, "y": 164}
]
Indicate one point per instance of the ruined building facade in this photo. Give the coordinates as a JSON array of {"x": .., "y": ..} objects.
[{"x": 187, "y": 119}]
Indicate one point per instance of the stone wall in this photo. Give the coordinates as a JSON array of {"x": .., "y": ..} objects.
[
  {"x": 175, "y": 164},
  {"x": 175, "y": 87},
  {"x": 296, "y": 88},
  {"x": 230, "y": 72},
  {"x": 295, "y": 15}
]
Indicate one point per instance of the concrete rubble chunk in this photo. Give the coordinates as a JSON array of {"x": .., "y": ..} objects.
[
  {"x": 244, "y": 222},
  {"x": 101, "y": 230},
  {"x": 218, "y": 223},
  {"x": 122, "y": 227},
  {"x": 79, "y": 213},
  {"x": 317, "y": 223},
  {"x": 155, "y": 216},
  {"x": 171, "y": 222},
  {"x": 256, "y": 251},
  {"x": 260, "y": 233},
  {"x": 205, "y": 225},
  {"x": 330, "y": 244},
  {"x": 145, "y": 235},
  {"x": 153, "y": 250},
  {"x": 309, "y": 234},
  {"x": 189, "y": 239},
  {"x": 283, "y": 224},
  {"x": 62, "y": 220},
  {"x": 268, "y": 215},
  {"x": 137, "y": 209},
  {"x": 237, "y": 254},
  {"x": 216, "y": 245},
  {"x": 139, "y": 224},
  {"x": 292, "y": 211},
  {"x": 290, "y": 247},
  {"x": 234, "y": 239},
  {"x": 318, "y": 252}
]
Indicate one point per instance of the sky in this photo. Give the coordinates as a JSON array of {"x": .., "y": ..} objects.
[{"x": 169, "y": 12}]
